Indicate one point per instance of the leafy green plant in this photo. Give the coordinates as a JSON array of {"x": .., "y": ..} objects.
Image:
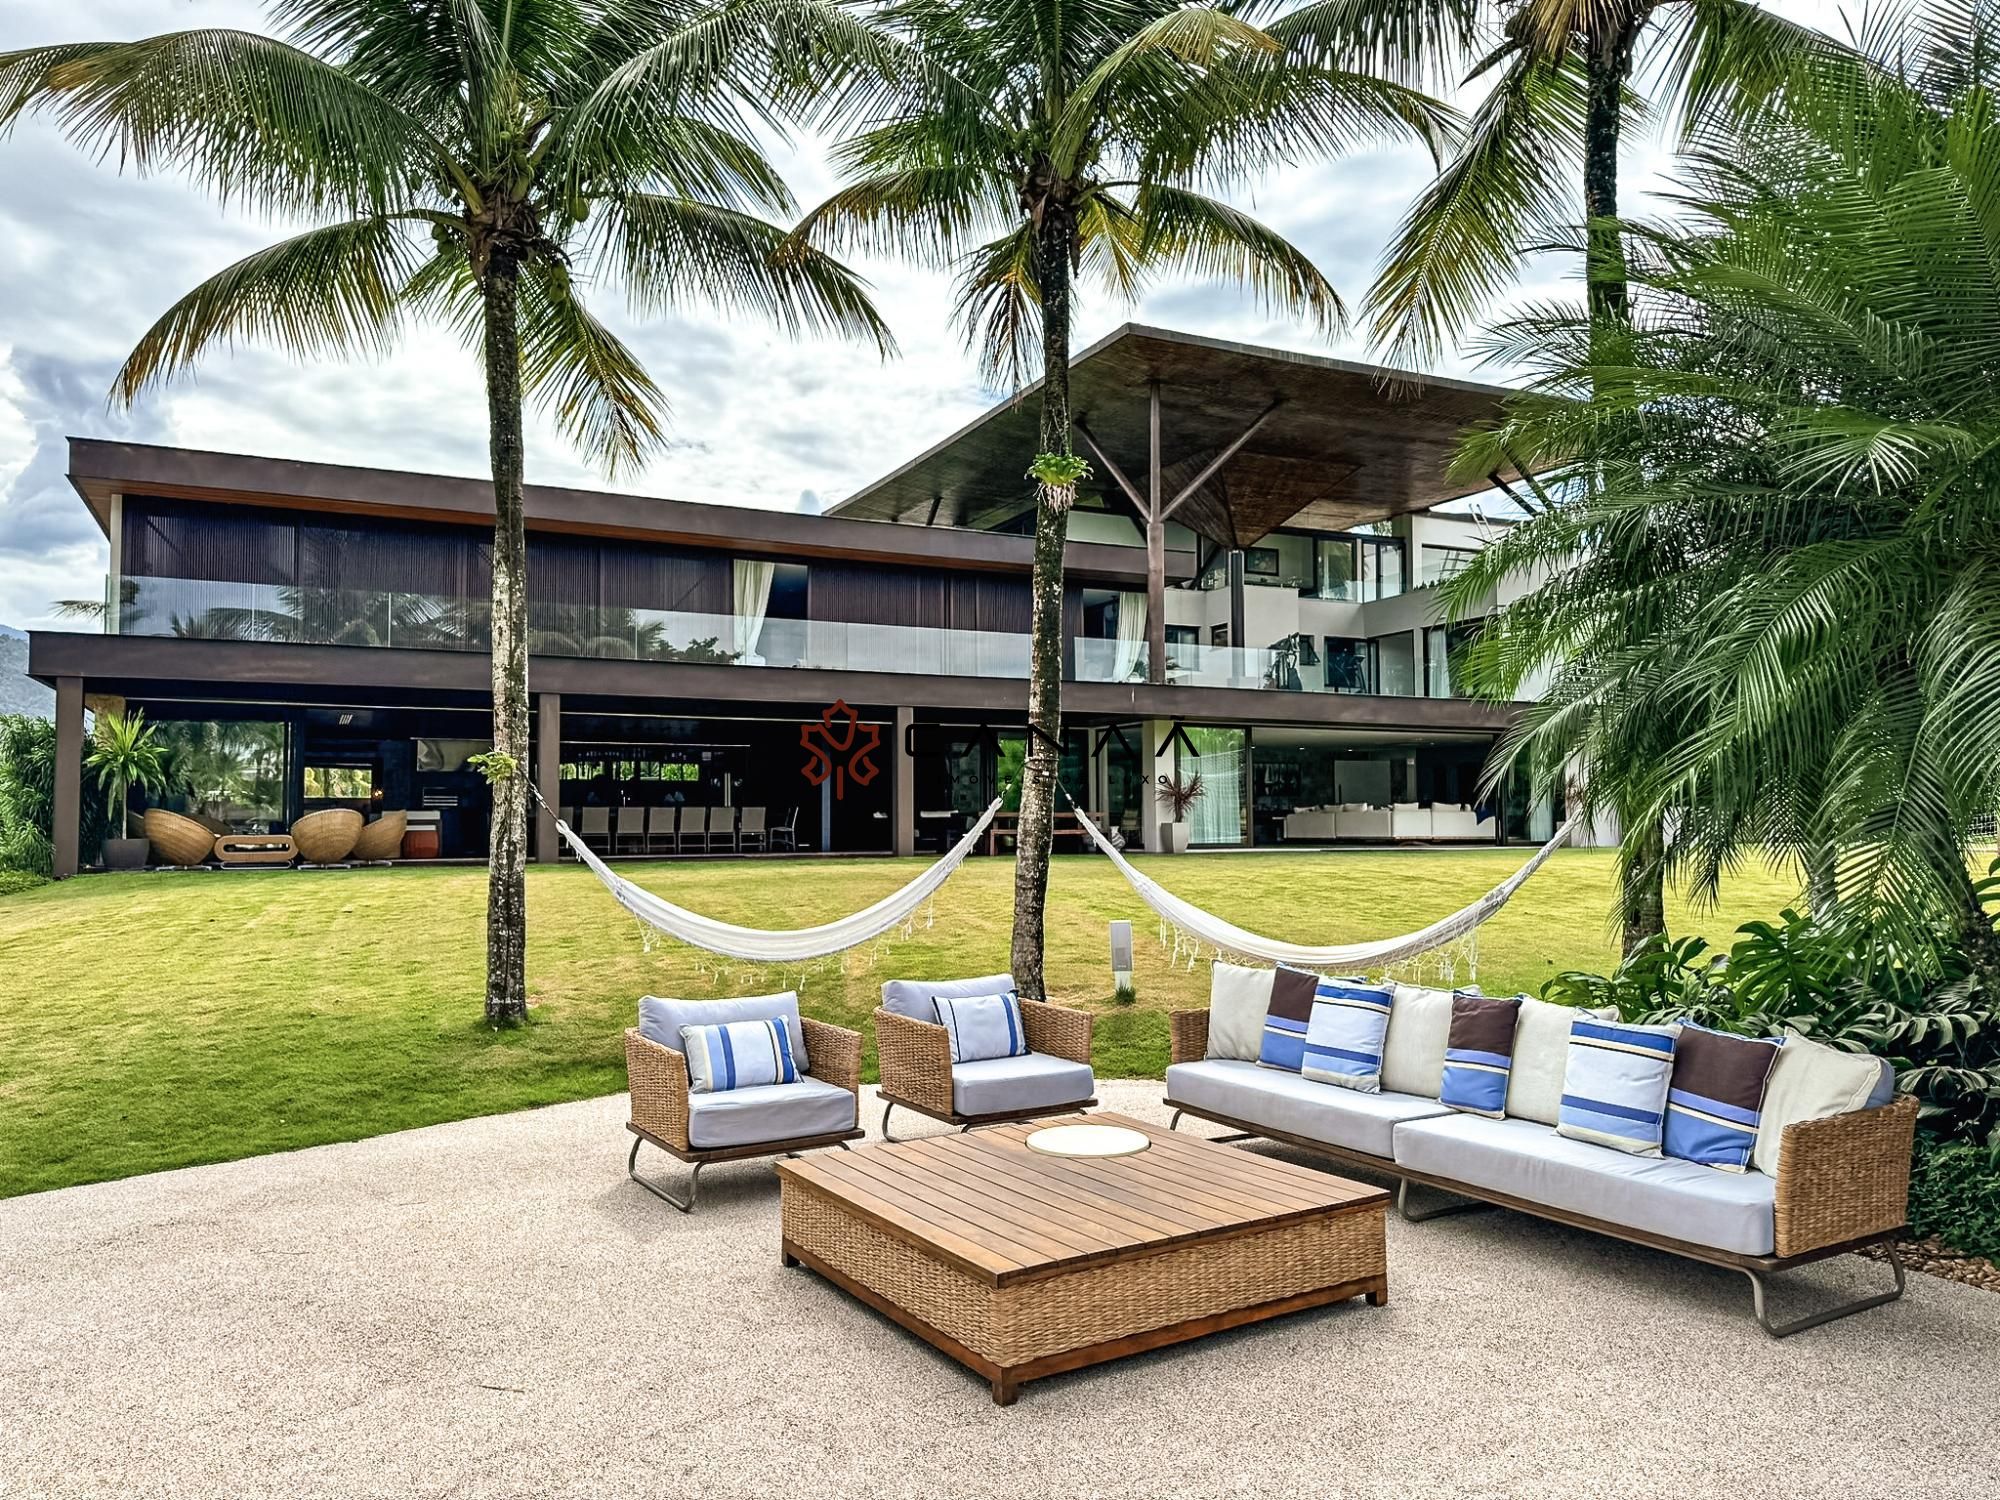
[
  {"x": 28, "y": 797},
  {"x": 496, "y": 766},
  {"x": 124, "y": 752},
  {"x": 1955, "y": 1195}
]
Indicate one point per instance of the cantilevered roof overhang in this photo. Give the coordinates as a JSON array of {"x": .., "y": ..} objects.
[{"x": 1340, "y": 441}]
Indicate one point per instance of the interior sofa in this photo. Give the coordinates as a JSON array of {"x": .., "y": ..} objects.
[{"x": 1834, "y": 1143}]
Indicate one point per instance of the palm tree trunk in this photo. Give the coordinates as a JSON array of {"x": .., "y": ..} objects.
[
  {"x": 1038, "y": 777},
  {"x": 506, "y": 862},
  {"x": 1642, "y": 900}
]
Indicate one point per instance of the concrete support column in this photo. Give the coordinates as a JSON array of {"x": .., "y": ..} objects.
[
  {"x": 1237, "y": 632},
  {"x": 69, "y": 776},
  {"x": 1156, "y": 759},
  {"x": 904, "y": 787},
  {"x": 548, "y": 775}
]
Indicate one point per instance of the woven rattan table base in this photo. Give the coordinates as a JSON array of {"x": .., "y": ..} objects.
[{"x": 1068, "y": 1318}]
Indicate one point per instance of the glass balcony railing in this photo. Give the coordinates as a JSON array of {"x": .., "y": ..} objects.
[{"x": 281, "y": 613}]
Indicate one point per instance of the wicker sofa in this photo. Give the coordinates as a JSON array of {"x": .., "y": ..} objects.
[
  {"x": 821, "y": 1109},
  {"x": 1054, "y": 1078},
  {"x": 1841, "y": 1181}
]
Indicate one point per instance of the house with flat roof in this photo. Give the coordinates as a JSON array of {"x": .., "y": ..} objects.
[{"x": 1247, "y": 595}]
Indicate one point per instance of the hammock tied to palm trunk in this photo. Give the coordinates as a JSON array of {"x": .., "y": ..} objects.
[
  {"x": 1194, "y": 929},
  {"x": 761, "y": 945}
]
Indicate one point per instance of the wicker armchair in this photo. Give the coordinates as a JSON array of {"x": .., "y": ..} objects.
[
  {"x": 176, "y": 839},
  {"x": 661, "y": 1110},
  {"x": 382, "y": 839},
  {"x": 918, "y": 1073},
  {"x": 327, "y": 837}
]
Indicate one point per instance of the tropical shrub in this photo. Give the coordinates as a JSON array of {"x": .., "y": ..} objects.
[
  {"x": 28, "y": 798},
  {"x": 1955, "y": 1195}
]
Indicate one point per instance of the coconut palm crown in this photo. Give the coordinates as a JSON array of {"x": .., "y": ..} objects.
[
  {"x": 1028, "y": 147},
  {"x": 482, "y": 162}
]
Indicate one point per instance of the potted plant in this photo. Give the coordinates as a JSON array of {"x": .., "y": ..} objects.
[
  {"x": 124, "y": 752},
  {"x": 1180, "y": 794}
]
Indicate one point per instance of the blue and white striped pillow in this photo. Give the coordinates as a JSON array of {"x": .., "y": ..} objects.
[
  {"x": 1615, "y": 1081},
  {"x": 738, "y": 1055},
  {"x": 1344, "y": 1038},
  {"x": 983, "y": 1026}
]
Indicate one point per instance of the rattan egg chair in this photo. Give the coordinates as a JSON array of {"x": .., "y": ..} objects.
[
  {"x": 177, "y": 840},
  {"x": 382, "y": 839},
  {"x": 327, "y": 837}
]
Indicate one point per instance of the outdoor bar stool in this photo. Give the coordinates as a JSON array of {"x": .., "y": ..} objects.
[
  {"x": 659, "y": 827},
  {"x": 752, "y": 828},
  {"x": 595, "y": 830},
  {"x": 631, "y": 828},
  {"x": 693, "y": 831}
]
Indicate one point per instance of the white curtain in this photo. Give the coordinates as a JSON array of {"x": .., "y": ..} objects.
[
  {"x": 1130, "y": 646},
  {"x": 753, "y": 599},
  {"x": 1217, "y": 815}
]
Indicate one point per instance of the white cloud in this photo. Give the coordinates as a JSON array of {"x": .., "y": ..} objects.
[{"x": 89, "y": 258}]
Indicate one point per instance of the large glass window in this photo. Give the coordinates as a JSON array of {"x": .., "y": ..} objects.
[
  {"x": 1395, "y": 659},
  {"x": 1440, "y": 563},
  {"x": 1350, "y": 665},
  {"x": 1381, "y": 567},
  {"x": 233, "y": 770},
  {"x": 1441, "y": 644}
]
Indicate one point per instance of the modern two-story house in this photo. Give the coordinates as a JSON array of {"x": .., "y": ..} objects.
[{"x": 1248, "y": 596}]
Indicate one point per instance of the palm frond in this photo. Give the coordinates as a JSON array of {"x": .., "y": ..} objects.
[
  {"x": 336, "y": 290},
  {"x": 1210, "y": 240},
  {"x": 594, "y": 386},
  {"x": 999, "y": 310}
]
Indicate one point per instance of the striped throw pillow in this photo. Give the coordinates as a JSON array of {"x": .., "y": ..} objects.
[
  {"x": 983, "y": 1026},
  {"x": 1285, "y": 1023},
  {"x": 1615, "y": 1085},
  {"x": 1479, "y": 1053},
  {"x": 1344, "y": 1038},
  {"x": 1716, "y": 1100},
  {"x": 738, "y": 1055}
]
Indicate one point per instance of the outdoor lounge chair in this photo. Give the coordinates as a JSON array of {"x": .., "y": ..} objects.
[
  {"x": 751, "y": 830},
  {"x": 1053, "y": 1078},
  {"x": 327, "y": 837},
  {"x": 595, "y": 828},
  {"x": 631, "y": 834},
  {"x": 660, "y": 828},
  {"x": 821, "y": 1109},
  {"x": 177, "y": 839},
  {"x": 382, "y": 839},
  {"x": 722, "y": 828},
  {"x": 693, "y": 835}
]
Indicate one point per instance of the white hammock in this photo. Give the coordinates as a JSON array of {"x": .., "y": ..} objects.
[
  {"x": 760, "y": 945},
  {"x": 1229, "y": 938}
]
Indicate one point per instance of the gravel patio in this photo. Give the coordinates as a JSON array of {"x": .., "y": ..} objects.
[{"x": 489, "y": 1309}]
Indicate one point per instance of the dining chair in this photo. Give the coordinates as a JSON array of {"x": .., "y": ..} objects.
[
  {"x": 693, "y": 836},
  {"x": 753, "y": 828},
  {"x": 660, "y": 827},
  {"x": 785, "y": 833},
  {"x": 631, "y": 829},
  {"x": 722, "y": 828},
  {"x": 595, "y": 829}
]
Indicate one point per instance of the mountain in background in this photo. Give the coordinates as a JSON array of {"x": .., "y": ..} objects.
[{"x": 19, "y": 693}]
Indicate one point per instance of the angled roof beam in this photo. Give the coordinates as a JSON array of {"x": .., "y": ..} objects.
[
  {"x": 1131, "y": 490},
  {"x": 1215, "y": 464}
]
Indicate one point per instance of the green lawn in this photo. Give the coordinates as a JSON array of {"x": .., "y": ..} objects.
[{"x": 162, "y": 1020}]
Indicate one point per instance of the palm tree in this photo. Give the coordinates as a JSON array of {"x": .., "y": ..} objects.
[
  {"x": 1774, "y": 555},
  {"x": 1028, "y": 145},
  {"x": 1561, "y": 77},
  {"x": 477, "y": 161}
]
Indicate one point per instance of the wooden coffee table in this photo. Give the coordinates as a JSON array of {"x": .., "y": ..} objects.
[{"x": 1020, "y": 1265}]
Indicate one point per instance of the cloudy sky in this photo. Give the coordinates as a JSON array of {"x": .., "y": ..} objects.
[{"x": 89, "y": 258}]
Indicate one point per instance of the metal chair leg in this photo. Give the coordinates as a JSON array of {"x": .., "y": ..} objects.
[
  {"x": 694, "y": 1180},
  {"x": 1436, "y": 1211},
  {"x": 888, "y": 1109},
  {"x": 1758, "y": 1288}
]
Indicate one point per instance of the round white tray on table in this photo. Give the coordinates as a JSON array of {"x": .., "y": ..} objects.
[{"x": 1087, "y": 1140}]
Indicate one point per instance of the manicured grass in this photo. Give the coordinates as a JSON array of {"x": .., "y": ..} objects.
[{"x": 163, "y": 1020}]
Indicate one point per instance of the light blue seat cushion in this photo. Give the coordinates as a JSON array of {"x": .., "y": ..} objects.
[
  {"x": 913, "y": 997},
  {"x": 661, "y": 1020},
  {"x": 1012, "y": 1085},
  {"x": 1657, "y": 1194},
  {"x": 768, "y": 1112},
  {"x": 1286, "y": 1102}
]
